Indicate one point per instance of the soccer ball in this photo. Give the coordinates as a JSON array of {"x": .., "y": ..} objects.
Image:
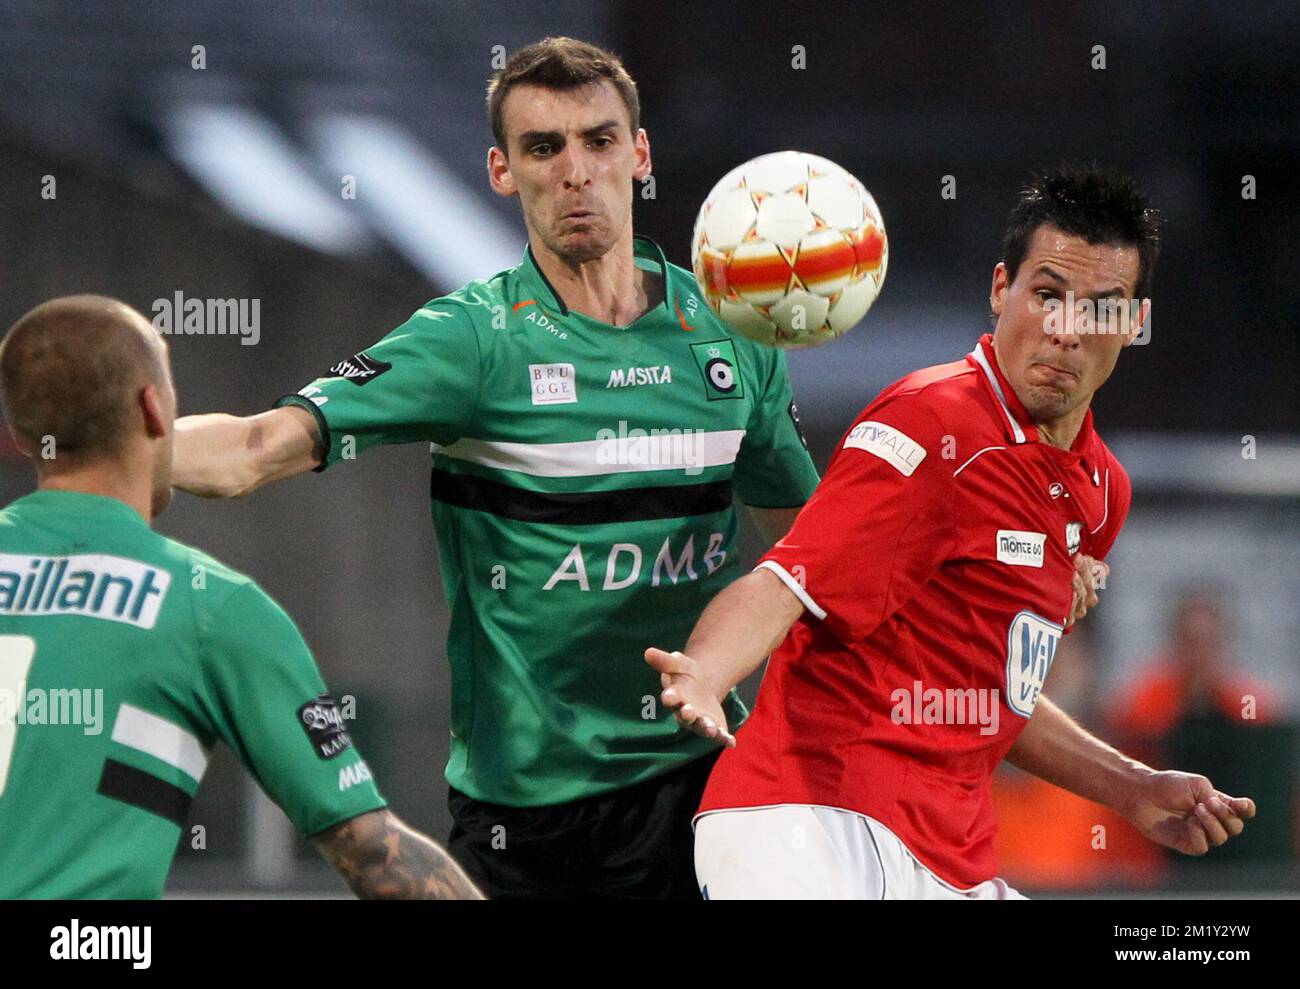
[{"x": 790, "y": 250}]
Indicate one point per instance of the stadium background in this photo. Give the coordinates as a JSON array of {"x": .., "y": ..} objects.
[{"x": 225, "y": 182}]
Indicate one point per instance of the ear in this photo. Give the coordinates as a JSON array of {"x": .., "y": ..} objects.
[
  {"x": 22, "y": 445},
  {"x": 1142, "y": 327},
  {"x": 642, "y": 152},
  {"x": 151, "y": 406},
  {"x": 499, "y": 177},
  {"x": 998, "y": 291}
]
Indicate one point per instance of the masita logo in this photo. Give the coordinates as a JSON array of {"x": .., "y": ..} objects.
[
  {"x": 1021, "y": 549},
  {"x": 630, "y": 377},
  {"x": 92, "y": 585},
  {"x": 1031, "y": 647},
  {"x": 350, "y": 776}
]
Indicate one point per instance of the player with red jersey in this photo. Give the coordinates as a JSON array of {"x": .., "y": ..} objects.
[{"x": 925, "y": 587}]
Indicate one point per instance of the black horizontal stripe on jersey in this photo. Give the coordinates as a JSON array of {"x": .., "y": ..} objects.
[
  {"x": 580, "y": 507},
  {"x": 144, "y": 790}
]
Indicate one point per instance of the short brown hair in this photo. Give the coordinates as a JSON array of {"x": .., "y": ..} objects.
[
  {"x": 559, "y": 63},
  {"x": 1100, "y": 205},
  {"x": 71, "y": 369}
]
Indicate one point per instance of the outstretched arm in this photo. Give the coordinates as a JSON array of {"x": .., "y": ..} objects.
[
  {"x": 738, "y": 630},
  {"x": 1182, "y": 811},
  {"x": 382, "y": 858},
  {"x": 225, "y": 456}
]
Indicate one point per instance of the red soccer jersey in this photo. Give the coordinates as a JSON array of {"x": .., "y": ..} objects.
[{"x": 935, "y": 565}]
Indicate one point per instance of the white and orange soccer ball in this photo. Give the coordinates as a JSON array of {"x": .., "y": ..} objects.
[{"x": 790, "y": 250}]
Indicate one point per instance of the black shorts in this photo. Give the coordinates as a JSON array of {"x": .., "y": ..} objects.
[{"x": 633, "y": 843}]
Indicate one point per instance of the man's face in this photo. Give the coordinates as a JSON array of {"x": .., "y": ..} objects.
[
  {"x": 572, "y": 158},
  {"x": 1054, "y": 339}
]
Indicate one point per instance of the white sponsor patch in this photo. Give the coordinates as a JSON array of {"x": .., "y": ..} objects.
[
  {"x": 90, "y": 584},
  {"x": 1021, "y": 549},
  {"x": 890, "y": 444},
  {"x": 1031, "y": 647},
  {"x": 552, "y": 384},
  {"x": 1072, "y": 537}
]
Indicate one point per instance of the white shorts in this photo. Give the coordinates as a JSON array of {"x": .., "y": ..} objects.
[{"x": 805, "y": 852}]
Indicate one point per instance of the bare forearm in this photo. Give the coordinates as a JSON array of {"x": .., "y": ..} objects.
[
  {"x": 225, "y": 456},
  {"x": 381, "y": 857},
  {"x": 1055, "y": 748},
  {"x": 741, "y": 627}
]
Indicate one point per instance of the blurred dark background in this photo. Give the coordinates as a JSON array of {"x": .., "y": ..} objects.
[{"x": 203, "y": 148}]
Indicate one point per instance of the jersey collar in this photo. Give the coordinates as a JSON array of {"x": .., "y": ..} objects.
[
  {"x": 536, "y": 287},
  {"x": 1016, "y": 419},
  {"x": 1019, "y": 426},
  {"x": 81, "y": 503}
]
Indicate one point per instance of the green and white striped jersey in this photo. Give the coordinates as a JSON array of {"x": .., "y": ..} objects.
[
  {"x": 124, "y": 657},
  {"x": 582, "y": 490}
]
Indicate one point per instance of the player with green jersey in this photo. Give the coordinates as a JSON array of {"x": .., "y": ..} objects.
[
  {"x": 126, "y": 656},
  {"x": 591, "y": 424},
  {"x": 582, "y": 496}
]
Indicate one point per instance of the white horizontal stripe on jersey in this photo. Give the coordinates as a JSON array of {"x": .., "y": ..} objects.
[
  {"x": 685, "y": 450},
  {"x": 138, "y": 729}
]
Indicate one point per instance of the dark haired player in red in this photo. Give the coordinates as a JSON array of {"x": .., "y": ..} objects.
[{"x": 925, "y": 587}]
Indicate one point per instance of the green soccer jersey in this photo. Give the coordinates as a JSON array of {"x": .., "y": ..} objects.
[
  {"x": 124, "y": 656},
  {"x": 582, "y": 492}
]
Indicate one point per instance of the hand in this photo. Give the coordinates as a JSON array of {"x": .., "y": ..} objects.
[
  {"x": 1185, "y": 812},
  {"x": 698, "y": 707},
  {"x": 1088, "y": 574}
]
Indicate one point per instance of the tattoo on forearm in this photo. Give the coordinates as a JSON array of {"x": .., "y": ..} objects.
[{"x": 383, "y": 858}]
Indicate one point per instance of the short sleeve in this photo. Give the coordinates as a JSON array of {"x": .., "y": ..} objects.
[
  {"x": 773, "y": 468},
  {"x": 880, "y": 525},
  {"x": 418, "y": 384},
  {"x": 268, "y": 702}
]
